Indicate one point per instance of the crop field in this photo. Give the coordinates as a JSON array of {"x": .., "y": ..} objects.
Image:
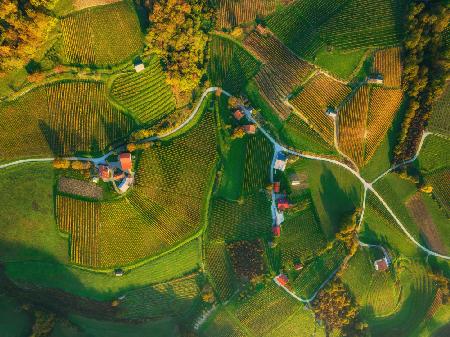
[
  {"x": 439, "y": 121},
  {"x": 222, "y": 324},
  {"x": 219, "y": 267},
  {"x": 259, "y": 153},
  {"x": 81, "y": 4},
  {"x": 281, "y": 72},
  {"x": 145, "y": 94},
  {"x": 387, "y": 62},
  {"x": 434, "y": 154},
  {"x": 318, "y": 270},
  {"x": 383, "y": 106},
  {"x": 373, "y": 290},
  {"x": 246, "y": 220},
  {"x": 302, "y": 136},
  {"x": 81, "y": 220},
  {"x": 380, "y": 24},
  {"x": 302, "y": 236},
  {"x": 301, "y": 323},
  {"x": 441, "y": 189},
  {"x": 352, "y": 119},
  {"x": 175, "y": 297},
  {"x": 230, "y": 65},
  {"x": 102, "y": 35},
  {"x": 232, "y": 13},
  {"x": 319, "y": 93},
  {"x": 297, "y": 24}
]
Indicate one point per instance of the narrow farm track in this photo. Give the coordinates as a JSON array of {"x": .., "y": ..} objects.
[{"x": 278, "y": 147}]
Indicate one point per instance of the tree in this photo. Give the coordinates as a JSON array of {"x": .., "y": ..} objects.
[
  {"x": 238, "y": 133},
  {"x": 81, "y": 165},
  {"x": 61, "y": 164}
]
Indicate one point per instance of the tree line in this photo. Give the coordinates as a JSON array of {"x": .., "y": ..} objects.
[
  {"x": 426, "y": 65},
  {"x": 24, "y": 27}
]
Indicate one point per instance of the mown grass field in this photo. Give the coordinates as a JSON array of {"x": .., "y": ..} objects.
[
  {"x": 90, "y": 37},
  {"x": 146, "y": 95},
  {"x": 341, "y": 64}
]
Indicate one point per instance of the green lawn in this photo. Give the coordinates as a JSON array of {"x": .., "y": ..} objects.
[
  {"x": 14, "y": 321},
  {"x": 341, "y": 64},
  {"x": 380, "y": 161}
]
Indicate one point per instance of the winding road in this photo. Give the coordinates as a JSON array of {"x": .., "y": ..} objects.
[{"x": 277, "y": 148}]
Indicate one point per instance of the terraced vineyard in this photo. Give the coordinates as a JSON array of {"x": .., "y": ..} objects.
[
  {"x": 319, "y": 93},
  {"x": 146, "y": 95},
  {"x": 302, "y": 236},
  {"x": 232, "y": 13},
  {"x": 352, "y": 118},
  {"x": 281, "y": 72},
  {"x": 387, "y": 62},
  {"x": 380, "y": 24},
  {"x": 101, "y": 35},
  {"x": 384, "y": 104},
  {"x": 230, "y": 65},
  {"x": 439, "y": 121}
]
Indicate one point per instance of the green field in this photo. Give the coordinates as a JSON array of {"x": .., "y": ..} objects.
[
  {"x": 230, "y": 65},
  {"x": 146, "y": 95},
  {"x": 434, "y": 154},
  {"x": 102, "y": 35},
  {"x": 341, "y": 64}
]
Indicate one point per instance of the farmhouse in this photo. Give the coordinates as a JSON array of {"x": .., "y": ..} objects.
[
  {"x": 138, "y": 67},
  {"x": 282, "y": 279},
  {"x": 276, "y": 187},
  {"x": 238, "y": 115},
  {"x": 381, "y": 264},
  {"x": 280, "y": 163},
  {"x": 250, "y": 129},
  {"x": 282, "y": 204},
  {"x": 276, "y": 230},
  {"x": 125, "y": 184},
  {"x": 125, "y": 162},
  {"x": 104, "y": 172},
  {"x": 375, "y": 79}
]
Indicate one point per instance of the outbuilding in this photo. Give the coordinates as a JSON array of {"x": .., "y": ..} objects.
[
  {"x": 250, "y": 129},
  {"x": 125, "y": 161},
  {"x": 282, "y": 279},
  {"x": 238, "y": 115},
  {"x": 276, "y": 187},
  {"x": 104, "y": 172},
  {"x": 381, "y": 264},
  {"x": 280, "y": 162},
  {"x": 282, "y": 204},
  {"x": 276, "y": 230},
  {"x": 138, "y": 67}
]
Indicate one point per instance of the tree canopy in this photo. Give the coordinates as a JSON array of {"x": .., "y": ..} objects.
[{"x": 24, "y": 27}]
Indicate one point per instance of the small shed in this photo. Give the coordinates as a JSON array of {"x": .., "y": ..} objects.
[
  {"x": 279, "y": 218},
  {"x": 282, "y": 204},
  {"x": 238, "y": 114},
  {"x": 280, "y": 162},
  {"x": 250, "y": 129},
  {"x": 294, "y": 179},
  {"x": 381, "y": 264},
  {"x": 138, "y": 67},
  {"x": 375, "y": 79},
  {"x": 298, "y": 266},
  {"x": 276, "y": 230},
  {"x": 118, "y": 272},
  {"x": 282, "y": 279},
  {"x": 125, "y": 161},
  {"x": 104, "y": 172},
  {"x": 276, "y": 186},
  {"x": 331, "y": 112}
]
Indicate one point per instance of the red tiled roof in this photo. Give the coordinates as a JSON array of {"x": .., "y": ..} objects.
[
  {"x": 283, "y": 204},
  {"x": 276, "y": 187},
  {"x": 250, "y": 128},
  {"x": 282, "y": 279},
  {"x": 103, "y": 171},
  {"x": 125, "y": 161},
  {"x": 238, "y": 114},
  {"x": 381, "y": 265},
  {"x": 276, "y": 230}
]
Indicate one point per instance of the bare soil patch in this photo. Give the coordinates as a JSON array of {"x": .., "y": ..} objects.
[
  {"x": 79, "y": 187},
  {"x": 81, "y": 4},
  {"x": 423, "y": 219}
]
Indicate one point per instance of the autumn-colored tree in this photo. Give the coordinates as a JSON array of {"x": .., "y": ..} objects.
[
  {"x": 238, "y": 133},
  {"x": 233, "y": 102},
  {"x": 81, "y": 165},
  {"x": 348, "y": 232},
  {"x": 61, "y": 164},
  {"x": 178, "y": 34},
  {"x": 24, "y": 27}
]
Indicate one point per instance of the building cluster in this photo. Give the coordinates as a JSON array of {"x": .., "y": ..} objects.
[
  {"x": 249, "y": 129},
  {"x": 119, "y": 173},
  {"x": 280, "y": 199}
]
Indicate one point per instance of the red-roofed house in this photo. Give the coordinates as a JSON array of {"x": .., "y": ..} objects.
[
  {"x": 282, "y": 279},
  {"x": 125, "y": 161},
  {"x": 238, "y": 114},
  {"x": 283, "y": 204},
  {"x": 250, "y": 129},
  {"x": 104, "y": 172},
  {"x": 381, "y": 264},
  {"x": 276, "y": 187},
  {"x": 276, "y": 230}
]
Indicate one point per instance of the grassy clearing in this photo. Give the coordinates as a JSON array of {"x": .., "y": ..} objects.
[
  {"x": 14, "y": 321},
  {"x": 91, "y": 37},
  {"x": 341, "y": 64},
  {"x": 380, "y": 161},
  {"x": 146, "y": 95}
]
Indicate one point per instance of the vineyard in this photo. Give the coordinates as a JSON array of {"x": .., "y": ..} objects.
[
  {"x": 219, "y": 267},
  {"x": 379, "y": 24},
  {"x": 317, "y": 95},
  {"x": 222, "y": 324},
  {"x": 281, "y": 72},
  {"x": 434, "y": 154},
  {"x": 81, "y": 118},
  {"x": 439, "y": 121},
  {"x": 230, "y": 65},
  {"x": 232, "y": 13},
  {"x": 387, "y": 62},
  {"x": 302, "y": 236},
  {"x": 22, "y": 122},
  {"x": 259, "y": 153},
  {"x": 145, "y": 94},
  {"x": 301, "y": 323},
  {"x": 317, "y": 271},
  {"x": 352, "y": 118},
  {"x": 441, "y": 189},
  {"x": 81, "y": 220},
  {"x": 177, "y": 297},
  {"x": 297, "y": 24},
  {"x": 383, "y": 106},
  {"x": 102, "y": 35}
]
